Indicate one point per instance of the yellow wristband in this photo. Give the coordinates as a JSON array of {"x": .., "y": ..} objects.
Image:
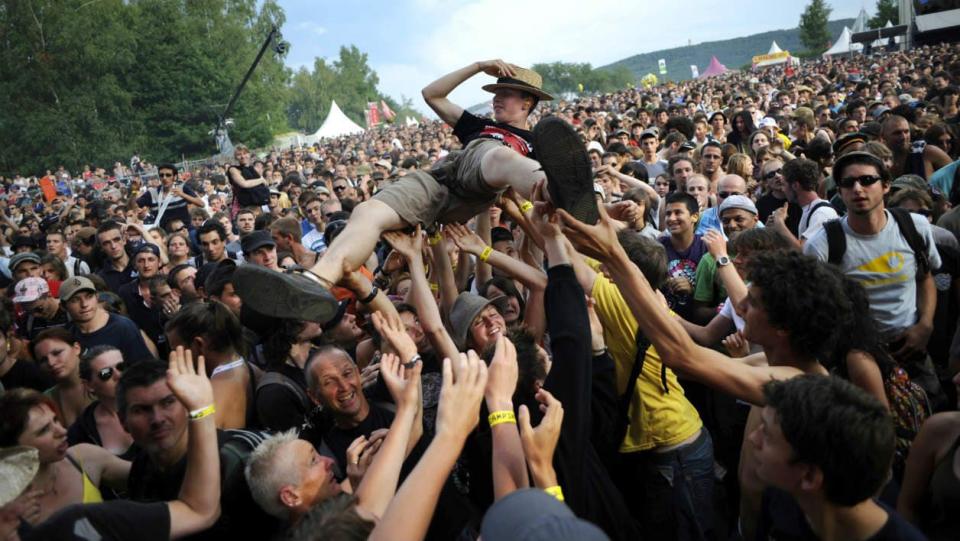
[
  {"x": 485, "y": 254},
  {"x": 434, "y": 287},
  {"x": 435, "y": 239},
  {"x": 555, "y": 491},
  {"x": 196, "y": 415},
  {"x": 525, "y": 207},
  {"x": 499, "y": 417}
]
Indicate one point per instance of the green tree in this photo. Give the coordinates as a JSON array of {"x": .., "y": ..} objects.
[
  {"x": 560, "y": 77},
  {"x": 887, "y": 10},
  {"x": 813, "y": 25}
]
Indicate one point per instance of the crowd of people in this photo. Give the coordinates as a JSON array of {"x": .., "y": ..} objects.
[{"x": 723, "y": 308}]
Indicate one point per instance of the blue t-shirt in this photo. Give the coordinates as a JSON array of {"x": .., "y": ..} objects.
[{"x": 683, "y": 264}]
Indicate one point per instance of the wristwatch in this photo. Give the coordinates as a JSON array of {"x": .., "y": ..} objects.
[{"x": 723, "y": 261}]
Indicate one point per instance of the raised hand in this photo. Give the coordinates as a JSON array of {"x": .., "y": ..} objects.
[
  {"x": 464, "y": 380},
  {"x": 597, "y": 241},
  {"x": 391, "y": 328},
  {"x": 540, "y": 442},
  {"x": 409, "y": 246},
  {"x": 502, "y": 376},
  {"x": 465, "y": 239},
  {"x": 544, "y": 219},
  {"x": 402, "y": 382},
  {"x": 625, "y": 211},
  {"x": 716, "y": 244},
  {"x": 736, "y": 344},
  {"x": 189, "y": 383},
  {"x": 361, "y": 453},
  {"x": 496, "y": 68}
]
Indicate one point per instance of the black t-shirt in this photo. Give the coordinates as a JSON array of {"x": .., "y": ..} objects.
[
  {"x": 257, "y": 196},
  {"x": 470, "y": 127},
  {"x": 240, "y": 517},
  {"x": 119, "y": 332},
  {"x": 339, "y": 439},
  {"x": 147, "y": 318},
  {"x": 115, "y": 278},
  {"x": 783, "y": 520},
  {"x": 27, "y": 375},
  {"x": 768, "y": 203},
  {"x": 33, "y": 325},
  {"x": 119, "y": 520}
]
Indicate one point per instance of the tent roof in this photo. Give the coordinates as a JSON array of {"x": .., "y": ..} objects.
[
  {"x": 843, "y": 45},
  {"x": 861, "y": 23},
  {"x": 335, "y": 125},
  {"x": 774, "y": 48},
  {"x": 715, "y": 68}
]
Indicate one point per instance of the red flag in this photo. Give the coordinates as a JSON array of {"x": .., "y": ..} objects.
[
  {"x": 388, "y": 114},
  {"x": 373, "y": 114}
]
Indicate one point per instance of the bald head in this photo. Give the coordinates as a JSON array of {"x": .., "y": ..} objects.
[
  {"x": 896, "y": 134},
  {"x": 731, "y": 185}
]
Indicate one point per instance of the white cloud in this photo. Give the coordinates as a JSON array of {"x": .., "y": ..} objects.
[{"x": 311, "y": 27}]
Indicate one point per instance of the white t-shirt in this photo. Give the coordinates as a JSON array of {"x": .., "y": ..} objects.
[
  {"x": 886, "y": 267},
  {"x": 810, "y": 224}
]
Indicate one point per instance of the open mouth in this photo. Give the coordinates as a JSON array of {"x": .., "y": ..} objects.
[{"x": 348, "y": 400}]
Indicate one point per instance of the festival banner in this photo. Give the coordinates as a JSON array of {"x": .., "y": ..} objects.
[
  {"x": 373, "y": 114},
  {"x": 663, "y": 66},
  {"x": 694, "y": 71},
  {"x": 759, "y": 59}
]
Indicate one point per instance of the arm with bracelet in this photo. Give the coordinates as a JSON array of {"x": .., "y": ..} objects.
[
  {"x": 420, "y": 294},
  {"x": 509, "y": 470}
]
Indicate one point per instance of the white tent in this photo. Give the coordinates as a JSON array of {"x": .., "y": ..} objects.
[
  {"x": 774, "y": 48},
  {"x": 861, "y": 23},
  {"x": 335, "y": 125},
  {"x": 843, "y": 45}
]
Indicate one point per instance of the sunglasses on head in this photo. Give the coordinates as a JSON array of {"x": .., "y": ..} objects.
[
  {"x": 725, "y": 195},
  {"x": 864, "y": 180},
  {"x": 107, "y": 372},
  {"x": 772, "y": 174}
]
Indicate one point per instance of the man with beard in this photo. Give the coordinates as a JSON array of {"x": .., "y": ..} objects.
[{"x": 801, "y": 177}]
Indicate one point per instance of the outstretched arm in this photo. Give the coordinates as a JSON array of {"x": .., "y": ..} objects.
[
  {"x": 410, "y": 511},
  {"x": 435, "y": 93},
  {"x": 676, "y": 348},
  {"x": 198, "y": 505},
  {"x": 420, "y": 294}
]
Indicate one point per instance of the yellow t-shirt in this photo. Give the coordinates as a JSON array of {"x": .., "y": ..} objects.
[{"x": 664, "y": 419}]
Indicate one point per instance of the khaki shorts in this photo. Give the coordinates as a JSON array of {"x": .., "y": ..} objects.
[{"x": 453, "y": 190}]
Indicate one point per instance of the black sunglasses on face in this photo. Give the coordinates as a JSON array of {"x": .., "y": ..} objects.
[
  {"x": 864, "y": 180},
  {"x": 772, "y": 174},
  {"x": 725, "y": 195},
  {"x": 107, "y": 372},
  {"x": 165, "y": 175}
]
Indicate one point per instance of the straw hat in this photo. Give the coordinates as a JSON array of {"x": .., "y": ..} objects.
[{"x": 523, "y": 79}]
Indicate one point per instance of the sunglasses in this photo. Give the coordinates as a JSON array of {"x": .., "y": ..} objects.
[
  {"x": 725, "y": 195},
  {"x": 772, "y": 174},
  {"x": 864, "y": 180},
  {"x": 107, "y": 372},
  {"x": 165, "y": 175},
  {"x": 339, "y": 188}
]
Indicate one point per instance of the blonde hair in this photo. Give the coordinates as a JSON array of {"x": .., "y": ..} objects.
[{"x": 740, "y": 164}]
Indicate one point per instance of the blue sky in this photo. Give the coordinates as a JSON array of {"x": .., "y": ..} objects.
[{"x": 412, "y": 42}]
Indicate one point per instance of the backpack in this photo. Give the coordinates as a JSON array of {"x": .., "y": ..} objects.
[
  {"x": 240, "y": 513},
  {"x": 276, "y": 378},
  {"x": 909, "y": 407},
  {"x": 837, "y": 240},
  {"x": 813, "y": 211}
]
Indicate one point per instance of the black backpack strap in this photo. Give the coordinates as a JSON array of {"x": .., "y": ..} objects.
[
  {"x": 917, "y": 243},
  {"x": 836, "y": 241},
  {"x": 276, "y": 378},
  {"x": 76, "y": 266},
  {"x": 623, "y": 407}
]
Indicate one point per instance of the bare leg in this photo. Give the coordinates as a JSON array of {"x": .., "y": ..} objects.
[
  {"x": 357, "y": 241},
  {"x": 503, "y": 168}
]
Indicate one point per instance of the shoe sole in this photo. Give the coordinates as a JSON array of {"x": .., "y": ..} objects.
[
  {"x": 284, "y": 296},
  {"x": 569, "y": 173}
]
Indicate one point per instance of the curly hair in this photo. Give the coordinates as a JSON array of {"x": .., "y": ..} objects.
[{"x": 804, "y": 297}]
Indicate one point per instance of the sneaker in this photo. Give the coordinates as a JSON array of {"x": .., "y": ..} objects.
[
  {"x": 565, "y": 162},
  {"x": 282, "y": 295}
]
